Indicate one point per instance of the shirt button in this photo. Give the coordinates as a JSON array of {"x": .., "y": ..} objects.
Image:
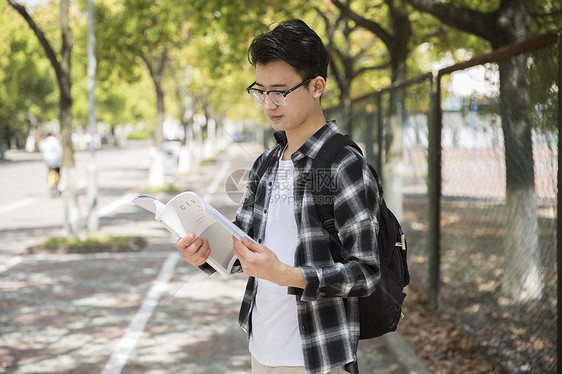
[
  {"x": 259, "y": 241},
  {"x": 269, "y": 183},
  {"x": 265, "y": 211}
]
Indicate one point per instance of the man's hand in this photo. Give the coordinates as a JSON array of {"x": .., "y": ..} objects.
[
  {"x": 260, "y": 262},
  {"x": 193, "y": 249}
]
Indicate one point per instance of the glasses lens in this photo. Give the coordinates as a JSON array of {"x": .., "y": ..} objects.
[
  {"x": 256, "y": 95},
  {"x": 277, "y": 98}
]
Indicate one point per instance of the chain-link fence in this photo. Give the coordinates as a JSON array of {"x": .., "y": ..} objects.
[{"x": 483, "y": 241}]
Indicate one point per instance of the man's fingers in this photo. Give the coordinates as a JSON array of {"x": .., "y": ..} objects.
[
  {"x": 238, "y": 248},
  {"x": 252, "y": 245},
  {"x": 185, "y": 241},
  {"x": 196, "y": 251}
]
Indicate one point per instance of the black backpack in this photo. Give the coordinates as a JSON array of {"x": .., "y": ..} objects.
[{"x": 380, "y": 312}]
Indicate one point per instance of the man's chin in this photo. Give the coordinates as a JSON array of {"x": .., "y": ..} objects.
[{"x": 276, "y": 126}]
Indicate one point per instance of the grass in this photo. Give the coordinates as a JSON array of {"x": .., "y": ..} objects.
[{"x": 58, "y": 241}]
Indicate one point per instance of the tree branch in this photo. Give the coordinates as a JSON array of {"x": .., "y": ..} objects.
[
  {"x": 365, "y": 69},
  {"x": 148, "y": 66},
  {"x": 51, "y": 55},
  {"x": 556, "y": 12},
  {"x": 373, "y": 27},
  {"x": 462, "y": 18},
  {"x": 332, "y": 50},
  {"x": 163, "y": 61}
]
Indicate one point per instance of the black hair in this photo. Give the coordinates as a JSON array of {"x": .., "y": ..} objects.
[{"x": 295, "y": 43}]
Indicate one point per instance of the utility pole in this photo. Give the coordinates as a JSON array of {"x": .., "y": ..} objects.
[{"x": 93, "y": 219}]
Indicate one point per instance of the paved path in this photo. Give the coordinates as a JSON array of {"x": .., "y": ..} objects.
[{"x": 147, "y": 312}]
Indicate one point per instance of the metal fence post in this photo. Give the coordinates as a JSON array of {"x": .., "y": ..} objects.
[
  {"x": 558, "y": 223},
  {"x": 379, "y": 134},
  {"x": 434, "y": 193},
  {"x": 369, "y": 142}
]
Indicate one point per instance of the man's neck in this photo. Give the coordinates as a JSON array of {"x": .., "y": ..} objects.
[{"x": 298, "y": 136}]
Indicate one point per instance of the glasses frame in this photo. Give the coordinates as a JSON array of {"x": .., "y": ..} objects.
[{"x": 249, "y": 90}]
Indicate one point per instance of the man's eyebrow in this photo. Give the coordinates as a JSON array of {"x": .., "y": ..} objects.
[{"x": 280, "y": 85}]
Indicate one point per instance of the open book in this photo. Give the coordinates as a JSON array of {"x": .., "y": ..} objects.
[{"x": 188, "y": 212}]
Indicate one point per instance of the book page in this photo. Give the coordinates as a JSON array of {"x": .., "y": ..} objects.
[
  {"x": 149, "y": 203},
  {"x": 234, "y": 230},
  {"x": 187, "y": 212},
  {"x": 220, "y": 241}
]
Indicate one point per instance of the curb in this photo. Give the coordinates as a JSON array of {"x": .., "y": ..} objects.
[{"x": 403, "y": 353}]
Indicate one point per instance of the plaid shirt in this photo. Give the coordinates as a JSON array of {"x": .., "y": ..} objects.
[{"x": 328, "y": 306}]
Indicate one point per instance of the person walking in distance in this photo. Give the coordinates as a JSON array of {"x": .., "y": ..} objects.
[
  {"x": 51, "y": 150},
  {"x": 300, "y": 309}
]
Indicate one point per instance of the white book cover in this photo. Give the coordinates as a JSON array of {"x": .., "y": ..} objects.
[{"x": 188, "y": 212}]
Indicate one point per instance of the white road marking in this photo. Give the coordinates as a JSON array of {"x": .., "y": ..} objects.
[
  {"x": 125, "y": 199},
  {"x": 137, "y": 325},
  {"x": 19, "y": 204},
  {"x": 220, "y": 176},
  {"x": 11, "y": 263},
  {"x": 14, "y": 261}
]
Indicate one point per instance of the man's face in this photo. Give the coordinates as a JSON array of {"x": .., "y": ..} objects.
[{"x": 280, "y": 76}]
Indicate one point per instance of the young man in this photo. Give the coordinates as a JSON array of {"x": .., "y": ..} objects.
[
  {"x": 300, "y": 309},
  {"x": 51, "y": 150}
]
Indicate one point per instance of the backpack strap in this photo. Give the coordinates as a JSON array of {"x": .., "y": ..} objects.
[{"x": 321, "y": 172}]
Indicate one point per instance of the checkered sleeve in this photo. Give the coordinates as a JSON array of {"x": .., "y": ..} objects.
[{"x": 356, "y": 204}]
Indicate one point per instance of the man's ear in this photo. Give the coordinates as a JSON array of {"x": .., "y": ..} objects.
[{"x": 318, "y": 86}]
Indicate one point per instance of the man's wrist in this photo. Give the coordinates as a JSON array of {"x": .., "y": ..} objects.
[{"x": 290, "y": 276}]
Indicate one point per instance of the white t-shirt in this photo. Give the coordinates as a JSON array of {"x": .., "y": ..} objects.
[
  {"x": 51, "y": 148},
  {"x": 275, "y": 339}
]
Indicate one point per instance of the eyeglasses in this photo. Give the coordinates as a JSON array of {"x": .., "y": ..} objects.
[{"x": 276, "y": 97}]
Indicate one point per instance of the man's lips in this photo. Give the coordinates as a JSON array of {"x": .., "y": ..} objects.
[{"x": 273, "y": 117}]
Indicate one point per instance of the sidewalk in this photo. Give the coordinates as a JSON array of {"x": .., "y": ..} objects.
[{"x": 147, "y": 312}]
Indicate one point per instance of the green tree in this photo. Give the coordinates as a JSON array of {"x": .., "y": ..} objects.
[
  {"x": 392, "y": 26},
  {"x": 352, "y": 54},
  {"x": 143, "y": 33},
  {"x": 26, "y": 82},
  {"x": 502, "y": 23},
  {"x": 63, "y": 75},
  {"x": 217, "y": 52}
]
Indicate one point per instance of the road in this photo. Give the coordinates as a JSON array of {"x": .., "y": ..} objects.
[
  {"x": 111, "y": 313},
  {"x": 28, "y": 213}
]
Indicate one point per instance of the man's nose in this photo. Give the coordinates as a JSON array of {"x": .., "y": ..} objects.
[{"x": 268, "y": 103}]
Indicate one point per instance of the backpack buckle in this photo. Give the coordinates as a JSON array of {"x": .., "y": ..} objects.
[{"x": 329, "y": 225}]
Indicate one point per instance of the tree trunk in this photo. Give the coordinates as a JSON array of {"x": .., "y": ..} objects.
[
  {"x": 62, "y": 72},
  {"x": 396, "y": 41},
  {"x": 393, "y": 165},
  {"x": 159, "y": 130},
  {"x": 347, "y": 110},
  {"x": 507, "y": 25},
  {"x": 71, "y": 212},
  {"x": 522, "y": 276},
  {"x": 156, "y": 178},
  {"x": 156, "y": 171},
  {"x": 186, "y": 120},
  {"x": 393, "y": 169}
]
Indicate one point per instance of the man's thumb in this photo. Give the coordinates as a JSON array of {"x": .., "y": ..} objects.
[{"x": 250, "y": 244}]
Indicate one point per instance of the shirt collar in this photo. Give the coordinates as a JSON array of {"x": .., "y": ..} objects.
[{"x": 312, "y": 146}]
